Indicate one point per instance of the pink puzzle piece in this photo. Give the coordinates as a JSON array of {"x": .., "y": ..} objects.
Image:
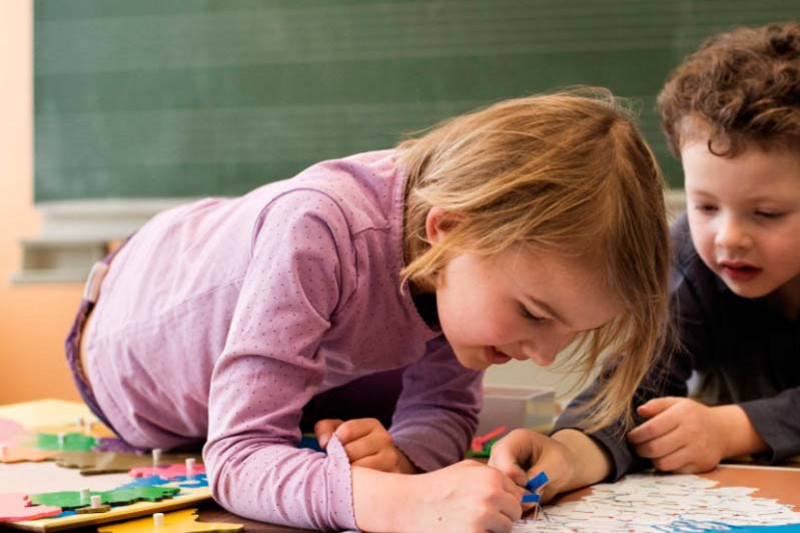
[
  {"x": 17, "y": 506},
  {"x": 19, "y": 454},
  {"x": 167, "y": 472},
  {"x": 11, "y": 432}
]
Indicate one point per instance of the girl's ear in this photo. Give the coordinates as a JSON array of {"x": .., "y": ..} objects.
[{"x": 438, "y": 223}]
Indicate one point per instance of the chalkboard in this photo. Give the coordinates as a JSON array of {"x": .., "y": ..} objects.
[{"x": 182, "y": 98}]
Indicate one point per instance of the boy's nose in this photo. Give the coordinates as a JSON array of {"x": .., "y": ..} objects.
[{"x": 731, "y": 234}]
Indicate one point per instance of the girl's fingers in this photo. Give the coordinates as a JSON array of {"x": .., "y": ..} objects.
[
  {"x": 358, "y": 429},
  {"x": 324, "y": 430},
  {"x": 499, "y": 523},
  {"x": 361, "y": 448}
]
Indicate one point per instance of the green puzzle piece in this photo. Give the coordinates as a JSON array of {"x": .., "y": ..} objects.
[
  {"x": 150, "y": 493},
  {"x": 72, "y": 499},
  {"x": 66, "y": 500},
  {"x": 72, "y": 442}
]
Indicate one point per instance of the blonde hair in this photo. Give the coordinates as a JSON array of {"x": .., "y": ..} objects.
[{"x": 567, "y": 173}]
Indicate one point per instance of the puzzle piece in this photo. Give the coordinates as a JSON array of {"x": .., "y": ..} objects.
[
  {"x": 17, "y": 506},
  {"x": 184, "y": 521},
  {"x": 135, "y": 494},
  {"x": 20, "y": 454},
  {"x": 92, "y": 429},
  {"x": 72, "y": 499},
  {"x": 169, "y": 472},
  {"x": 66, "y": 500},
  {"x": 197, "y": 481},
  {"x": 10, "y": 431},
  {"x": 102, "y": 508},
  {"x": 152, "y": 481},
  {"x": 94, "y": 462},
  {"x": 65, "y": 441}
]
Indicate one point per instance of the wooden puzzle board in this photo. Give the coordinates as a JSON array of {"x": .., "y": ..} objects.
[{"x": 35, "y": 478}]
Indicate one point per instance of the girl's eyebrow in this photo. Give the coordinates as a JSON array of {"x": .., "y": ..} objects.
[{"x": 547, "y": 309}]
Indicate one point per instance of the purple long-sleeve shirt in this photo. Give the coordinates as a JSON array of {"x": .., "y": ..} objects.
[{"x": 221, "y": 319}]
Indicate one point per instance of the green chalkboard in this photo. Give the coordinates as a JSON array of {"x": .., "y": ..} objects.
[{"x": 176, "y": 98}]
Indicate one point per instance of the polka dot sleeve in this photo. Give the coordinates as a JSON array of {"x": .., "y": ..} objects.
[{"x": 270, "y": 368}]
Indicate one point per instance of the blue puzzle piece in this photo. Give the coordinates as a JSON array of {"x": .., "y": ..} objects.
[
  {"x": 152, "y": 481},
  {"x": 538, "y": 481},
  {"x": 195, "y": 482},
  {"x": 531, "y": 498}
]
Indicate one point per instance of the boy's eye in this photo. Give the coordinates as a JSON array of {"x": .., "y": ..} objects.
[
  {"x": 526, "y": 314},
  {"x": 768, "y": 214}
]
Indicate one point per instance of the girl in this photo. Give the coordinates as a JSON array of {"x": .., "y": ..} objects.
[
  {"x": 731, "y": 112},
  {"x": 390, "y": 279}
]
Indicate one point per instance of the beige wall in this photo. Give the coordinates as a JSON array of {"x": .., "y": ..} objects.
[{"x": 33, "y": 319}]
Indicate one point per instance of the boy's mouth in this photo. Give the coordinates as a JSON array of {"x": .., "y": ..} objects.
[{"x": 739, "y": 271}]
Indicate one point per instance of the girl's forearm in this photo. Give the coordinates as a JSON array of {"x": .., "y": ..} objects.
[{"x": 379, "y": 500}]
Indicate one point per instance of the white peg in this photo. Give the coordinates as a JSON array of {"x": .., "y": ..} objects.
[
  {"x": 156, "y": 457},
  {"x": 158, "y": 519},
  {"x": 190, "y": 468}
]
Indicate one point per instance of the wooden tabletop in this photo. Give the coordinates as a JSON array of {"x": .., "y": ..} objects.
[{"x": 782, "y": 484}]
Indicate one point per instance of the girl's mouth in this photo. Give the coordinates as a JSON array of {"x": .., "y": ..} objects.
[{"x": 494, "y": 357}]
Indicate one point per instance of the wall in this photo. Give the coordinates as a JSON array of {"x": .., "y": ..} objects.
[{"x": 33, "y": 319}]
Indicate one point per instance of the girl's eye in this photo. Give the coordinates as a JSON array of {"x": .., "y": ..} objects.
[
  {"x": 526, "y": 314},
  {"x": 769, "y": 214},
  {"x": 705, "y": 208}
]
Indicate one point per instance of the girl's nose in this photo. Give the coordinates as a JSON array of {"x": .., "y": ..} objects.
[
  {"x": 545, "y": 348},
  {"x": 541, "y": 353}
]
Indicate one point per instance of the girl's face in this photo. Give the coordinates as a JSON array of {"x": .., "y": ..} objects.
[
  {"x": 518, "y": 305},
  {"x": 744, "y": 215}
]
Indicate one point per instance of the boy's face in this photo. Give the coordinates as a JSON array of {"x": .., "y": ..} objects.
[
  {"x": 518, "y": 306},
  {"x": 744, "y": 215}
]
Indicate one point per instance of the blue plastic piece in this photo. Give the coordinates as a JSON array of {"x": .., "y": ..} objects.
[
  {"x": 538, "y": 481},
  {"x": 531, "y": 498}
]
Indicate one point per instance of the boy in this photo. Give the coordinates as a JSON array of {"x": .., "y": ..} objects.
[{"x": 731, "y": 113}]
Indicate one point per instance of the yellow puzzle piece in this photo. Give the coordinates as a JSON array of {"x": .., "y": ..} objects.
[{"x": 184, "y": 521}]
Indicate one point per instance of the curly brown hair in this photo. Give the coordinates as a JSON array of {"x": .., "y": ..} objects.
[{"x": 740, "y": 88}]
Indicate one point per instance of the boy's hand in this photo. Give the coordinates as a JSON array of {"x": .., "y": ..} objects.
[
  {"x": 681, "y": 435},
  {"x": 464, "y": 497},
  {"x": 366, "y": 442}
]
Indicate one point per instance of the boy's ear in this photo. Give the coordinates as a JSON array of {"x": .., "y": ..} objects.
[{"x": 438, "y": 224}]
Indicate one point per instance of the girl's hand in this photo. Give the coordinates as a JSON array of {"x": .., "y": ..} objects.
[
  {"x": 685, "y": 436},
  {"x": 466, "y": 497},
  {"x": 366, "y": 442},
  {"x": 570, "y": 458},
  {"x": 523, "y": 453}
]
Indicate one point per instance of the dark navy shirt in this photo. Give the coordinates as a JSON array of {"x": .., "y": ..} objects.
[{"x": 744, "y": 351}]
